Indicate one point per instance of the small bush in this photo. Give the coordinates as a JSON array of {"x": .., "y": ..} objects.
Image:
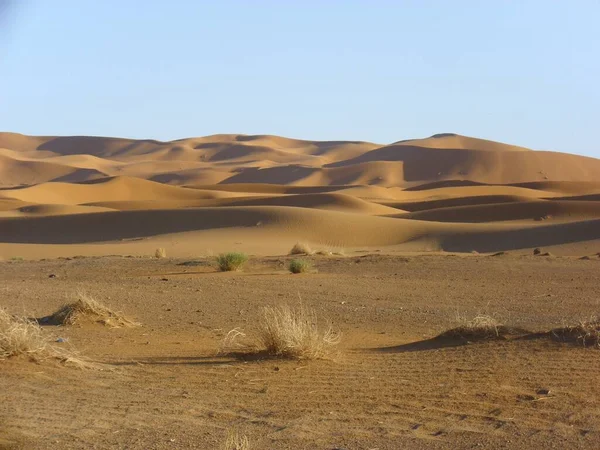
[
  {"x": 284, "y": 332},
  {"x": 235, "y": 441},
  {"x": 299, "y": 266},
  {"x": 85, "y": 308},
  {"x": 22, "y": 337},
  {"x": 301, "y": 248},
  {"x": 18, "y": 336},
  {"x": 231, "y": 261},
  {"x": 479, "y": 328},
  {"x": 586, "y": 333},
  {"x": 160, "y": 253},
  {"x": 294, "y": 333}
]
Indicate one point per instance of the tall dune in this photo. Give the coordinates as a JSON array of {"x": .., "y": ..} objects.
[{"x": 263, "y": 192}]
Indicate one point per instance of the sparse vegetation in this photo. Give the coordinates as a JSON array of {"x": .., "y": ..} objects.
[
  {"x": 231, "y": 261},
  {"x": 586, "y": 333},
  {"x": 18, "y": 336},
  {"x": 236, "y": 441},
  {"x": 160, "y": 253},
  {"x": 22, "y": 337},
  {"x": 85, "y": 308},
  {"x": 294, "y": 333},
  {"x": 331, "y": 251},
  {"x": 301, "y": 248},
  {"x": 299, "y": 266},
  {"x": 284, "y": 332},
  {"x": 481, "y": 327}
]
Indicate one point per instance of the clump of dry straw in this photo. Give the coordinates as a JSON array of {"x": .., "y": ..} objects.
[{"x": 85, "y": 308}]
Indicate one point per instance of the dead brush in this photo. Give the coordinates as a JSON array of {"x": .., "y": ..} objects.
[
  {"x": 22, "y": 337},
  {"x": 481, "y": 327},
  {"x": 85, "y": 308},
  {"x": 284, "y": 332},
  {"x": 586, "y": 333},
  {"x": 19, "y": 336},
  {"x": 235, "y": 441},
  {"x": 301, "y": 248}
]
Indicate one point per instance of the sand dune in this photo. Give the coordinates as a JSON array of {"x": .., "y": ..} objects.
[
  {"x": 525, "y": 210},
  {"x": 263, "y": 193}
]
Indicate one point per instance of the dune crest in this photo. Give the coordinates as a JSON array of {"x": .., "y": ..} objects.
[{"x": 261, "y": 192}]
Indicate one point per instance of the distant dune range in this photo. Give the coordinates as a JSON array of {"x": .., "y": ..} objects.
[{"x": 61, "y": 196}]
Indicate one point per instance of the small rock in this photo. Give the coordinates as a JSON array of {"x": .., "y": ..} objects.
[
  {"x": 537, "y": 251},
  {"x": 542, "y": 391},
  {"x": 164, "y": 279},
  {"x": 61, "y": 340},
  {"x": 52, "y": 275},
  {"x": 585, "y": 258}
]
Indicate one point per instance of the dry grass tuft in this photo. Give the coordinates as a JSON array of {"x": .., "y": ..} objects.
[
  {"x": 235, "y": 342},
  {"x": 235, "y": 441},
  {"x": 294, "y": 333},
  {"x": 85, "y": 308},
  {"x": 22, "y": 337},
  {"x": 481, "y": 327},
  {"x": 160, "y": 253},
  {"x": 301, "y": 248},
  {"x": 19, "y": 336},
  {"x": 284, "y": 332},
  {"x": 586, "y": 333}
]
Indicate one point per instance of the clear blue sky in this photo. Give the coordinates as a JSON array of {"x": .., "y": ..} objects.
[{"x": 523, "y": 72}]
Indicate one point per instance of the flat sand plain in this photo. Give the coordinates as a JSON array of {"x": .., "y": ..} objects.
[{"x": 389, "y": 386}]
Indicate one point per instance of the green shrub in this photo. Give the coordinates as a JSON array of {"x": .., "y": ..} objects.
[
  {"x": 231, "y": 261},
  {"x": 299, "y": 266}
]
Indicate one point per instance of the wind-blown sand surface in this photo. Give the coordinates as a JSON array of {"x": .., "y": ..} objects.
[
  {"x": 390, "y": 386},
  {"x": 65, "y": 196}
]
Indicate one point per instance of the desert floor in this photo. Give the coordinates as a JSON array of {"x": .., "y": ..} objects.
[{"x": 389, "y": 386}]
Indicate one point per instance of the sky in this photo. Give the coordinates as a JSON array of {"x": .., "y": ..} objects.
[{"x": 523, "y": 72}]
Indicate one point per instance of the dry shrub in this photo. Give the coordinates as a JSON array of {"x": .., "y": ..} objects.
[
  {"x": 294, "y": 333},
  {"x": 481, "y": 327},
  {"x": 235, "y": 441},
  {"x": 22, "y": 337},
  {"x": 586, "y": 333},
  {"x": 287, "y": 333},
  {"x": 160, "y": 253},
  {"x": 235, "y": 342},
  {"x": 301, "y": 248},
  {"x": 19, "y": 336},
  {"x": 85, "y": 308}
]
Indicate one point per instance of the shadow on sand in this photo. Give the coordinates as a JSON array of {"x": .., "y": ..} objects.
[
  {"x": 453, "y": 338},
  {"x": 227, "y": 359}
]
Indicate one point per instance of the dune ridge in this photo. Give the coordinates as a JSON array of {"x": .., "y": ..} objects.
[{"x": 443, "y": 193}]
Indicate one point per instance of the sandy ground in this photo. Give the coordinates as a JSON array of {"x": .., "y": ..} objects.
[{"x": 163, "y": 385}]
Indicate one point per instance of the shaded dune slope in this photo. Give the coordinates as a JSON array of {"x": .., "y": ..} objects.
[
  {"x": 524, "y": 210},
  {"x": 340, "y": 228},
  {"x": 447, "y": 192}
]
